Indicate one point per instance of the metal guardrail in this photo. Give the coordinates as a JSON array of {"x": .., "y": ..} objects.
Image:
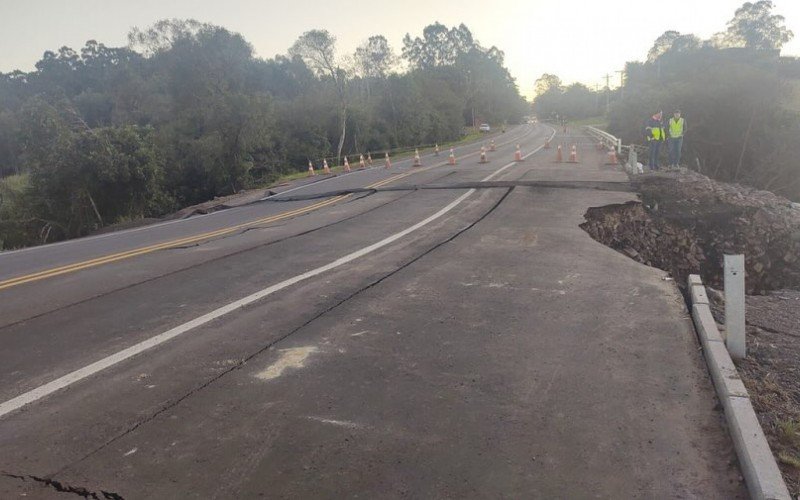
[{"x": 607, "y": 139}]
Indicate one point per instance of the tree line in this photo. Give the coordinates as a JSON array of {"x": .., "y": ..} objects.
[
  {"x": 187, "y": 112},
  {"x": 740, "y": 98}
]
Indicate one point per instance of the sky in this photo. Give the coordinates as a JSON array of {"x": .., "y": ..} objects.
[{"x": 580, "y": 41}]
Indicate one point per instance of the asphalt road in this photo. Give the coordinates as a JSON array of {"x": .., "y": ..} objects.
[{"x": 465, "y": 341}]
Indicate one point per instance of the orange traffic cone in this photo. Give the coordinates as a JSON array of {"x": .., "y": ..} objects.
[
  {"x": 417, "y": 161},
  {"x": 518, "y": 154},
  {"x": 452, "y": 159},
  {"x": 492, "y": 147},
  {"x": 612, "y": 157},
  {"x": 547, "y": 144},
  {"x": 483, "y": 155},
  {"x": 361, "y": 163},
  {"x": 573, "y": 154},
  {"x": 325, "y": 167},
  {"x": 436, "y": 150},
  {"x": 346, "y": 165},
  {"x": 388, "y": 161},
  {"x": 369, "y": 159},
  {"x": 559, "y": 155},
  {"x": 311, "y": 172}
]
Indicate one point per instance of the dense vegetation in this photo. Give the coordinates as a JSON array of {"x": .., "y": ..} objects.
[
  {"x": 186, "y": 112},
  {"x": 738, "y": 95}
]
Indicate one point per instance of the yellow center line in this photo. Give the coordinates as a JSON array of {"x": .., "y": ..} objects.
[
  {"x": 77, "y": 266},
  {"x": 47, "y": 273}
]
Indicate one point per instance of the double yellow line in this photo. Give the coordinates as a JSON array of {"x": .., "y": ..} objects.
[
  {"x": 106, "y": 259},
  {"x": 56, "y": 271}
]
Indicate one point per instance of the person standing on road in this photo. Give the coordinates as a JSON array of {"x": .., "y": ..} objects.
[
  {"x": 676, "y": 129},
  {"x": 655, "y": 134}
]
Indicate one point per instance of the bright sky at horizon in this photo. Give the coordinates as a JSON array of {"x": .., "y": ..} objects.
[{"x": 578, "y": 41}]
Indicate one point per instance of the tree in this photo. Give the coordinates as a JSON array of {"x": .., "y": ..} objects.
[
  {"x": 662, "y": 44},
  {"x": 547, "y": 82},
  {"x": 187, "y": 112},
  {"x": 318, "y": 49},
  {"x": 162, "y": 35},
  {"x": 85, "y": 178},
  {"x": 672, "y": 41},
  {"x": 439, "y": 46},
  {"x": 755, "y": 26},
  {"x": 374, "y": 57}
]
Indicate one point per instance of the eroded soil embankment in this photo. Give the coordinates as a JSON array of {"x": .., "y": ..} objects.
[{"x": 685, "y": 224}]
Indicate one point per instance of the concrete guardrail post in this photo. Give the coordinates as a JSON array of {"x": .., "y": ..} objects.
[
  {"x": 734, "y": 306},
  {"x": 633, "y": 160}
]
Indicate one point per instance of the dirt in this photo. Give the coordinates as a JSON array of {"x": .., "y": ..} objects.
[
  {"x": 771, "y": 371},
  {"x": 684, "y": 224}
]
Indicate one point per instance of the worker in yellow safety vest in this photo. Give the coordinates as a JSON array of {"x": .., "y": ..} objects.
[
  {"x": 655, "y": 134},
  {"x": 676, "y": 129}
]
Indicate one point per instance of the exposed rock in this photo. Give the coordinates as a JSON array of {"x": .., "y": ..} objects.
[{"x": 687, "y": 222}]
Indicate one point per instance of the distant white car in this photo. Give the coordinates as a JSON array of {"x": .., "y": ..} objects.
[{"x": 485, "y": 127}]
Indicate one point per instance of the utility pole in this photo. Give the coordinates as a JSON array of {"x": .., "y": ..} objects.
[
  {"x": 621, "y": 84},
  {"x": 597, "y": 97},
  {"x": 608, "y": 92}
]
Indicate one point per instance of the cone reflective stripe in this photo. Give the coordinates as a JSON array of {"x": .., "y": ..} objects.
[
  {"x": 559, "y": 155},
  {"x": 436, "y": 150},
  {"x": 417, "y": 161},
  {"x": 483, "y": 154},
  {"x": 361, "y": 163},
  {"x": 452, "y": 159},
  {"x": 547, "y": 144},
  {"x": 369, "y": 159},
  {"x": 518, "y": 154},
  {"x": 492, "y": 147},
  {"x": 311, "y": 172},
  {"x": 388, "y": 161},
  {"x": 346, "y": 165},
  {"x": 325, "y": 166},
  {"x": 573, "y": 154}
]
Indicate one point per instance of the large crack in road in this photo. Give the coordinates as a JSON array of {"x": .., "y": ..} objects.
[{"x": 243, "y": 361}]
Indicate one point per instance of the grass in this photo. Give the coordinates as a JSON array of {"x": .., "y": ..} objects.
[
  {"x": 789, "y": 459},
  {"x": 472, "y": 135},
  {"x": 14, "y": 183},
  {"x": 789, "y": 432}
]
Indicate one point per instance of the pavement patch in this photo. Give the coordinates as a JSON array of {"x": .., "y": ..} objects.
[{"x": 294, "y": 357}]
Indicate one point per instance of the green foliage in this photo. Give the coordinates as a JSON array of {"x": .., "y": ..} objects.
[
  {"x": 755, "y": 26},
  {"x": 83, "y": 179},
  {"x": 738, "y": 96},
  {"x": 186, "y": 112},
  {"x": 574, "y": 102},
  {"x": 738, "y": 111},
  {"x": 18, "y": 225}
]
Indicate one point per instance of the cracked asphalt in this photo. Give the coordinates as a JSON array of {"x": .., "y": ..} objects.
[{"x": 496, "y": 351}]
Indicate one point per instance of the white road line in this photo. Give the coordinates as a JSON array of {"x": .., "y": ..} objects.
[
  {"x": 109, "y": 361},
  {"x": 201, "y": 216}
]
